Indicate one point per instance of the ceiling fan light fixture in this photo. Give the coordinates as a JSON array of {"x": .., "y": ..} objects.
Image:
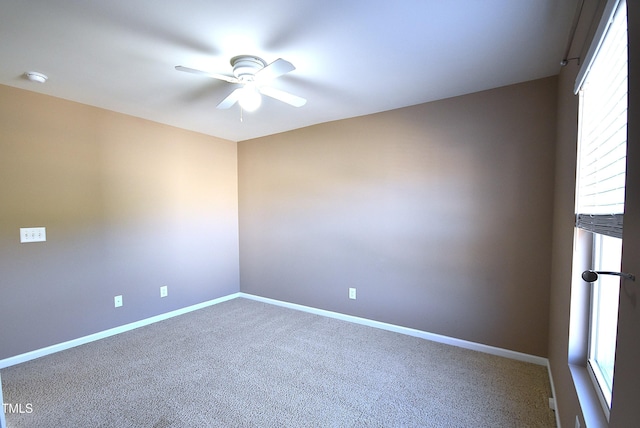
[{"x": 250, "y": 99}]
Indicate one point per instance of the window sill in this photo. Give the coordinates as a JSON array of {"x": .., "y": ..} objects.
[{"x": 589, "y": 402}]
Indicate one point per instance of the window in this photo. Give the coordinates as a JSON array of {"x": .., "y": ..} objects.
[
  {"x": 604, "y": 314},
  {"x": 602, "y": 84}
]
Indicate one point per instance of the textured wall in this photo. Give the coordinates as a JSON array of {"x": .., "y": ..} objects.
[
  {"x": 439, "y": 214},
  {"x": 129, "y": 205}
]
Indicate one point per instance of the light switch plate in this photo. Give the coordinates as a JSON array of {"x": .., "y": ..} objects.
[{"x": 33, "y": 234}]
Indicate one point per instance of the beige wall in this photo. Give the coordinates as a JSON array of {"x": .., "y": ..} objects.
[
  {"x": 625, "y": 411},
  {"x": 435, "y": 213},
  {"x": 439, "y": 214},
  {"x": 129, "y": 205},
  {"x": 562, "y": 253}
]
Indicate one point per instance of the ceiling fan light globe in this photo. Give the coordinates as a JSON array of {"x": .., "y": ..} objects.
[{"x": 250, "y": 98}]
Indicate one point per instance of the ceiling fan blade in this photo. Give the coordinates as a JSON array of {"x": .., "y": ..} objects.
[
  {"x": 276, "y": 69},
  {"x": 231, "y": 99},
  {"x": 283, "y": 96},
  {"x": 224, "y": 77}
]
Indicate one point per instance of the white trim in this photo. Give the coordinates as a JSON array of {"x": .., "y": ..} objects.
[
  {"x": 597, "y": 379},
  {"x": 408, "y": 331},
  {"x": 501, "y": 352},
  {"x": 553, "y": 394},
  {"x": 106, "y": 333},
  {"x": 349, "y": 318},
  {"x": 596, "y": 42}
]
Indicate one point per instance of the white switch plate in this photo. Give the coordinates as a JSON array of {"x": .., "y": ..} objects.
[
  {"x": 33, "y": 234},
  {"x": 352, "y": 293},
  {"x": 117, "y": 301},
  {"x": 163, "y": 291}
]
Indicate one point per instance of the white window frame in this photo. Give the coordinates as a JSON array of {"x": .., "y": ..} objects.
[{"x": 611, "y": 284}]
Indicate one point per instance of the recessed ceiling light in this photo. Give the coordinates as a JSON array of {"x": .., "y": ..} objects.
[{"x": 34, "y": 76}]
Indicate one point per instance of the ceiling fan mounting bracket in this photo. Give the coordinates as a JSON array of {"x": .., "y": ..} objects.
[{"x": 246, "y": 66}]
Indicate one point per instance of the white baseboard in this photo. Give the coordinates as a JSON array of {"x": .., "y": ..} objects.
[
  {"x": 553, "y": 394},
  {"x": 106, "y": 333},
  {"x": 408, "y": 331},
  {"x": 350, "y": 318},
  {"x": 519, "y": 356}
]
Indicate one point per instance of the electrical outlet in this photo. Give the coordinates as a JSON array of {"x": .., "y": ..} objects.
[
  {"x": 117, "y": 301},
  {"x": 352, "y": 293},
  {"x": 163, "y": 291}
]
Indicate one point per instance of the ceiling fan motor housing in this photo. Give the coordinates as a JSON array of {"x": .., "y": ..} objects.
[{"x": 246, "y": 66}]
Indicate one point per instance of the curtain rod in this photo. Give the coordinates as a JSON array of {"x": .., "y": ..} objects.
[{"x": 572, "y": 33}]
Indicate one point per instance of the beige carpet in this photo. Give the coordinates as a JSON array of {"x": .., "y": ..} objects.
[{"x": 244, "y": 363}]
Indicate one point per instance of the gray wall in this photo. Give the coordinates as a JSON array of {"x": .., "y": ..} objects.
[
  {"x": 439, "y": 214},
  {"x": 129, "y": 205}
]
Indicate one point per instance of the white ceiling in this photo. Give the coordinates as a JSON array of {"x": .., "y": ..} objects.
[{"x": 352, "y": 57}]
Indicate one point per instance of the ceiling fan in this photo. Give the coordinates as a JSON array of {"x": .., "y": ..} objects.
[{"x": 253, "y": 74}]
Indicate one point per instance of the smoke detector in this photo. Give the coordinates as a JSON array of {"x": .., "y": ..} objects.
[{"x": 34, "y": 76}]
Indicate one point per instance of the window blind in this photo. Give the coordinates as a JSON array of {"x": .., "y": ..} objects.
[{"x": 603, "y": 131}]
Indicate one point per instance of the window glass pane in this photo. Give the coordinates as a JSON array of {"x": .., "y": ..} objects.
[{"x": 604, "y": 307}]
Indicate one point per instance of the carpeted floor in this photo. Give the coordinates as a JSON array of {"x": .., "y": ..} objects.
[{"x": 244, "y": 363}]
